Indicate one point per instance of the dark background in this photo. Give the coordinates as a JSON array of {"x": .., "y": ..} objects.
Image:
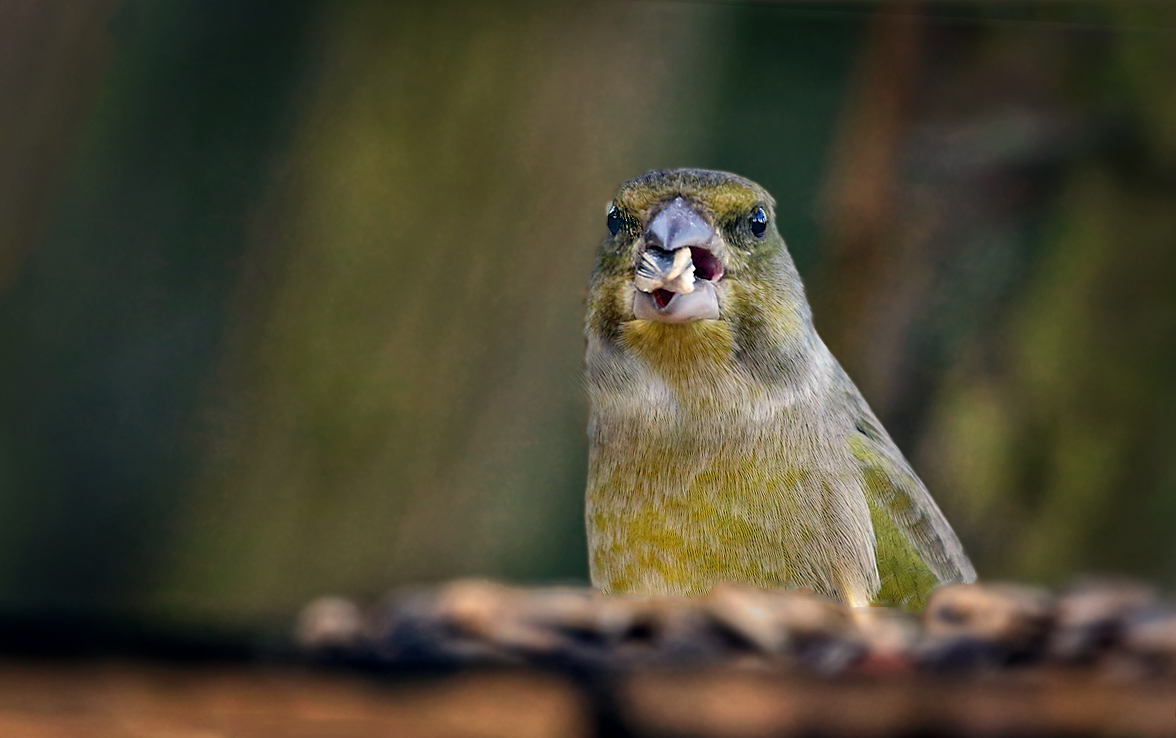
[{"x": 291, "y": 292}]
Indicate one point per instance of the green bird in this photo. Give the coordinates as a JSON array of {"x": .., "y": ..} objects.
[{"x": 726, "y": 442}]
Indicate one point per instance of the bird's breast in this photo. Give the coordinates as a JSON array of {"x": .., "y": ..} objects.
[{"x": 677, "y": 505}]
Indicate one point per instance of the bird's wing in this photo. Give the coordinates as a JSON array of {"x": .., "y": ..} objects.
[{"x": 916, "y": 547}]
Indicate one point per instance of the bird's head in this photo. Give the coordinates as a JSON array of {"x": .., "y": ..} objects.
[{"x": 692, "y": 258}]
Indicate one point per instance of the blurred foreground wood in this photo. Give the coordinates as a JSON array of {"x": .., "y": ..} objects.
[
  {"x": 109, "y": 699},
  {"x": 97, "y": 700}
]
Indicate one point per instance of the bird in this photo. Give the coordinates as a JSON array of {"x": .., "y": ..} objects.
[{"x": 726, "y": 443}]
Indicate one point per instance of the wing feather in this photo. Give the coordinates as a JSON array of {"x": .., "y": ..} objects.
[{"x": 916, "y": 547}]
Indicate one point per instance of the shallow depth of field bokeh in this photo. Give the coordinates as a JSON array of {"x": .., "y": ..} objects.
[{"x": 291, "y": 292}]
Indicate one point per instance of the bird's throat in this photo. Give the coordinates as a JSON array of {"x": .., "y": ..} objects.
[{"x": 684, "y": 354}]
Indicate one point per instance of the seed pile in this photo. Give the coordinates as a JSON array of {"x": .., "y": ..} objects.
[{"x": 1118, "y": 627}]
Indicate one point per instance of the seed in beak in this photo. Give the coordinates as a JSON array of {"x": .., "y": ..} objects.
[{"x": 669, "y": 270}]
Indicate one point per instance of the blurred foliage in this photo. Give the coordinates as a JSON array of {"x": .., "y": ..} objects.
[{"x": 306, "y": 316}]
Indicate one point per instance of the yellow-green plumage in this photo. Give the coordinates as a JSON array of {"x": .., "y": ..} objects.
[{"x": 735, "y": 448}]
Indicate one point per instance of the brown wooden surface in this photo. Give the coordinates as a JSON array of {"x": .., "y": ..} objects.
[
  {"x": 1037, "y": 704},
  {"x": 100, "y": 699},
  {"x": 123, "y": 700}
]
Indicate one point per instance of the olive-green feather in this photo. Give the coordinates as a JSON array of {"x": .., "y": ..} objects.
[{"x": 915, "y": 548}]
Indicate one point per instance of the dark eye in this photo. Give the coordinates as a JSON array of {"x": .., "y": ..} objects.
[
  {"x": 614, "y": 219},
  {"x": 759, "y": 222}
]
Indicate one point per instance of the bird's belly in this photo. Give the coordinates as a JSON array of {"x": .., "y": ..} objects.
[{"x": 668, "y": 521}]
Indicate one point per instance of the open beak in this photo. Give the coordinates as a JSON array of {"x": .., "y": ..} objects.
[{"x": 677, "y": 271}]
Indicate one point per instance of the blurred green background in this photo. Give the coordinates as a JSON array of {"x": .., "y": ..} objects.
[{"x": 291, "y": 292}]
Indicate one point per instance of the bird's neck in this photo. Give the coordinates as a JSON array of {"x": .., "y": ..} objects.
[{"x": 688, "y": 356}]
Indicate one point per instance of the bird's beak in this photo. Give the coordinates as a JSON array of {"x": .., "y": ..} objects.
[{"x": 677, "y": 270}]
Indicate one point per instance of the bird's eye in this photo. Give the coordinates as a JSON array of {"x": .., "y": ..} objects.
[
  {"x": 614, "y": 219},
  {"x": 759, "y": 222}
]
